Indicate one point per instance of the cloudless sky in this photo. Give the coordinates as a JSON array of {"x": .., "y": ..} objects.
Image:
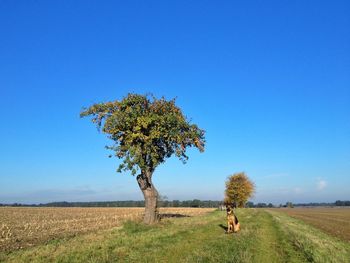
[{"x": 269, "y": 81}]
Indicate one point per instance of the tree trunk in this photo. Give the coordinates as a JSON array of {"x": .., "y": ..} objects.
[{"x": 151, "y": 197}]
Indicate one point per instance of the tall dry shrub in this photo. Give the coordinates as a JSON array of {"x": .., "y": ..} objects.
[{"x": 239, "y": 188}]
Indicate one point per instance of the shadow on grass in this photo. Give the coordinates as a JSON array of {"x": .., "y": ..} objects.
[
  {"x": 171, "y": 215},
  {"x": 223, "y": 227},
  {"x": 132, "y": 227}
]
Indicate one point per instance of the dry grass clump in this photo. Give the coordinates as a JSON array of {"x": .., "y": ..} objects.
[{"x": 22, "y": 227}]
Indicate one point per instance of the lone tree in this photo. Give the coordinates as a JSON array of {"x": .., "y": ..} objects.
[
  {"x": 238, "y": 189},
  {"x": 146, "y": 131}
]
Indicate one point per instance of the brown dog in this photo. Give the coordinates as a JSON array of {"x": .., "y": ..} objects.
[{"x": 232, "y": 221}]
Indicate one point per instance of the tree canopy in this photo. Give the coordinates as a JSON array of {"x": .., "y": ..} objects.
[
  {"x": 146, "y": 130},
  {"x": 239, "y": 188}
]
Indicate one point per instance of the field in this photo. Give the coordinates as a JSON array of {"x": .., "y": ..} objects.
[
  {"x": 266, "y": 236},
  {"x": 335, "y": 221},
  {"x": 22, "y": 227}
]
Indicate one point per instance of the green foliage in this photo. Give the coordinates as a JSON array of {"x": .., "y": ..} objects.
[
  {"x": 145, "y": 130},
  {"x": 238, "y": 189}
]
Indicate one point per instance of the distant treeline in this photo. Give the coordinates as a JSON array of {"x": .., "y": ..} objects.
[
  {"x": 252, "y": 205},
  {"x": 173, "y": 203},
  {"x": 129, "y": 203},
  {"x": 342, "y": 203}
]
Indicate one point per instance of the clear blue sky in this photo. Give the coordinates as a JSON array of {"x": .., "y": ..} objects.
[{"x": 269, "y": 81}]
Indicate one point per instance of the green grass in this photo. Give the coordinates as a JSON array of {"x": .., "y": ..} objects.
[{"x": 264, "y": 237}]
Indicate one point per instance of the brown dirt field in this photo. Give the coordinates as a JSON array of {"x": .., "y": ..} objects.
[
  {"x": 334, "y": 221},
  {"x": 22, "y": 227}
]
